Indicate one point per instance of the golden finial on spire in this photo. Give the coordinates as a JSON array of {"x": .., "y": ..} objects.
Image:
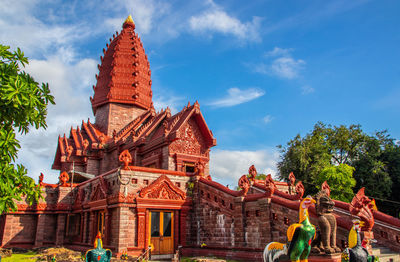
[
  {"x": 129, "y": 22},
  {"x": 129, "y": 19}
]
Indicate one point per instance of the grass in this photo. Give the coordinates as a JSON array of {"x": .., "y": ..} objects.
[{"x": 20, "y": 257}]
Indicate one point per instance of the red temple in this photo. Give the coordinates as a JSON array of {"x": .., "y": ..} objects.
[{"x": 141, "y": 178}]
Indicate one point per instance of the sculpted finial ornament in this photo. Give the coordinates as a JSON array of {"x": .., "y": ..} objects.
[
  {"x": 270, "y": 184},
  {"x": 299, "y": 189},
  {"x": 252, "y": 173},
  {"x": 64, "y": 177},
  {"x": 69, "y": 150},
  {"x": 325, "y": 187},
  {"x": 126, "y": 158},
  {"x": 292, "y": 179},
  {"x": 362, "y": 206},
  {"x": 244, "y": 184},
  {"x": 41, "y": 177}
]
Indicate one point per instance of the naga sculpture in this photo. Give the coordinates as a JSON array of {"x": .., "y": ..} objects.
[
  {"x": 362, "y": 207},
  {"x": 244, "y": 184},
  {"x": 326, "y": 222},
  {"x": 300, "y": 236}
]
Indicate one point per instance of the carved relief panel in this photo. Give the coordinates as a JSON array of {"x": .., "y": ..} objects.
[{"x": 190, "y": 140}]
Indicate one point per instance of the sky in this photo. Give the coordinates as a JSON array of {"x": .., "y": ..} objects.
[{"x": 262, "y": 71}]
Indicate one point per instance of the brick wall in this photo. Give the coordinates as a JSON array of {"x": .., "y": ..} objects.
[
  {"x": 23, "y": 229},
  {"x": 114, "y": 116},
  {"x": 50, "y": 230}
]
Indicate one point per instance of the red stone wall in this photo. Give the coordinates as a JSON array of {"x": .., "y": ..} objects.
[
  {"x": 93, "y": 166},
  {"x": 23, "y": 229},
  {"x": 50, "y": 230}
]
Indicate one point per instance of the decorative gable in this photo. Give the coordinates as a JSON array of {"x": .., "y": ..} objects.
[
  {"x": 162, "y": 188},
  {"x": 190, "y": 140},
  {"x": 100, "y": 192}
]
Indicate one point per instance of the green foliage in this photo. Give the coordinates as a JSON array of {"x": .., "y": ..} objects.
[
  {"x": 341, "y": 177},
  {"x": 23, "y": 104},
  {"x": 325, "y": 146},
  {"x": 375, "y": 159}
]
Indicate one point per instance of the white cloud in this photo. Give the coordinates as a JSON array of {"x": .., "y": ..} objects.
[
  {"x": 227, "y": 166},
  {"x": 306, "y": 89},
  {"x": 215, "y": 19},
  {"x": 237, "y": 96},
  {"x": 277, "y": 51},
  {"x": 287, "y": 67},
  {"x": 267, "y": 119},
  {"x": 279, "y": 62}
]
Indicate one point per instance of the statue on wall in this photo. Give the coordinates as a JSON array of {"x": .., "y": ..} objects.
[{"x": 326, "y": 222}]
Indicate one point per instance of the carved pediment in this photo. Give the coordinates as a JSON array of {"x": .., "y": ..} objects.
[
  {"x": 162, "y": 188},
  {"x": 100, "y": 192},
  {"x": 191, "y": 141}
]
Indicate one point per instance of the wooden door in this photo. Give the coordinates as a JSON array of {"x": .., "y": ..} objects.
[{"x": 162, "y": 232}]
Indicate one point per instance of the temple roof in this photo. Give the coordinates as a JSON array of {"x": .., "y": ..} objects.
[
  {"x": 124, "y": 73},
  {"x": 150, "y": 129}
]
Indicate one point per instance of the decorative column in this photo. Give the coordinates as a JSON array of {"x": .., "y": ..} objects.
[
  {"x": 183, "y": 224},
  {"x": 91, "y": 227},
  {"x": 60, "y": 231},
  {"x": 141, "y": 217},
  {"x": 107, "y": 232},
  {"x": 264, "y": 220},
  {"x": 39, "y": 237},
  {"x": 239, "y": 223}
]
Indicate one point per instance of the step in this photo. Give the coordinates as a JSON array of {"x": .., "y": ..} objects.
[{"x": 389, "y": 258}]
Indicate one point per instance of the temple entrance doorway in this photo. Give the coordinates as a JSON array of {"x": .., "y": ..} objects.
[{"x": 161, "y": 232}]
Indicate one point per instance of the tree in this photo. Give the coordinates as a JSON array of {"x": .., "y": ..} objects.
[
  {"x": 317, "y": 152},
  {"x": 23, "y": 104},
  {"x": 341, "y": 177}
]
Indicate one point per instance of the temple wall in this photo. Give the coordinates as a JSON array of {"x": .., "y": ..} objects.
[
  {"x": 109, "y": 161},
  {"x": 22, "y": 229},
  {"x": 93, "y": 166},
  {"x": 114, "y": 116},
  {"x": 50, "y": 231}
]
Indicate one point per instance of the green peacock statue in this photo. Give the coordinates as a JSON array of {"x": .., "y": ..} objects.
[
  {"x": 98, "y": 254},
  {"x": 300, "y": 236}
]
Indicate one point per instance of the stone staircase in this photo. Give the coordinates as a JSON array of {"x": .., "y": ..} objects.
[{"x": 385, "y": 254}]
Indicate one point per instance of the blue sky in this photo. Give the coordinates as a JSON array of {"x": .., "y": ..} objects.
[{"x": 262, "y": 71}]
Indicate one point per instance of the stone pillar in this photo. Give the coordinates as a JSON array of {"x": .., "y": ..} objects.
[
  {"x": 82, "y": 229},
  {"x": 123, "y": 235},
  {"x": 141, "y": 228},
  {"x": 60, "y": 231},
  {"x": 40, "y": 224},
  {"x": 264, "y": 221},
  {"x": 182, "y": 227},
  {"x": 239, "y": 223},
  {"x": 8, "y": 230},
  {"x": 107, "y": 233},
  {"x": 91, "y": 227}
]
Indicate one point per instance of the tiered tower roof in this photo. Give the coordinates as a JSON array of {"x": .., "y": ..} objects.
[{"x": 124, "y": 73}]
